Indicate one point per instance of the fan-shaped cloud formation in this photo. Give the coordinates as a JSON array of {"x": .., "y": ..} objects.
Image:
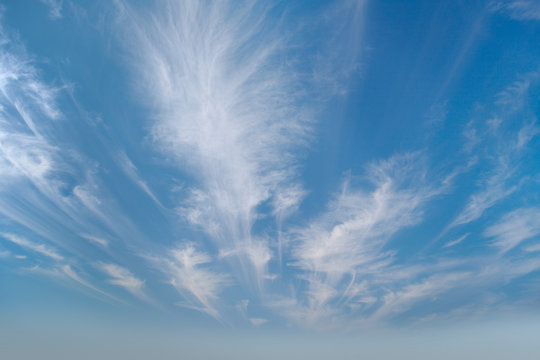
[{"x": 271, "y": 164}]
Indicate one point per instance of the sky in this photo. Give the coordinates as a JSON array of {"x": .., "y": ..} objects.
[{"x": 347, "y": 179}]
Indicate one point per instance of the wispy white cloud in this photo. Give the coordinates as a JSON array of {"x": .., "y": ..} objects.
[
  {"x": 229, "y": 106},
  {"x": 344, "y": 48},
  {"x": 47, "y": 188},
  {"x": 96, "y": 240},
  {"x": 514, "y": 228},
  {"x": 285, "y": 202},
  {"x": 187, "y": 271},
  {"x": 348, "y": 269},
  {"x": 532, "y": 248},
  {"x": 437, "y": 113},
  {"x": 322, "y": 317},
  {"x": 396, "y": 302},
  {"x": 72, "y": 274},
  {"x": 242, "y": 307},
  {"x": 122, "y": 277},
  {"x": 55, "y": 8},
  {"x": 131, "y": 171},
  {"x": 346, "y": 245},
  {"x": 456, "y": 241},
  {"x": 514, "y": 97},
  {"x": 58, "y": 190},
  {"x": 499, "y": 185},
  {"x": 435, "y": 283},
  {"x": 47, "y": 185},
  {"x": 358, "y": 224},
  {"x": 29, "y": 160},
  {"x": 26, "y": 155},
  {"x": 226, "y": 107},
  {"x": 505, "y": 177},
  {"x": 20, "y": 84},
  {"x": 471, "y": 138},
  {"x": 351, "y": 276},
  {"x": 23, "y": 149},
  {"x": 30, "y": 245},
  {"x": 257, "y": 321},
  {"x": 518, "y": 9}
]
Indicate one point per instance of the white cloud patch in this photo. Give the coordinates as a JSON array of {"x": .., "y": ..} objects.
[
  {"x": 514, "y": 228},
  {"x": 55, "y": 8},
  {"x": 346, "y": 245},
  {"x": 499, "y": 185},
  {"x": 396, "y": 302},
  {"x": 24, "y": 151},
  {"x": 46, "y": 184},
  {"x": 342, "y": 59},
  {"x": 31, "y": 165},
  {"x": 188, "y": 272},
  {"x": 518, "y": 9},
  {"x": 354, "y": 230},
  {"x": 72, "y": 274},
  {"x": 36, "y": 247},
  {"x": 122, "y": 277},
  {"x": 456, "y": 241},
  {"x": 26, "y": 155},
  {"x": 257, "y": 321},
  {"x": 133, "y": 173},
  {"x": 96, "y": 240},
  {"x": 514, "y": 97},
  {"x": 532, "y": 248},
  {"x": 504, "y": 178}
]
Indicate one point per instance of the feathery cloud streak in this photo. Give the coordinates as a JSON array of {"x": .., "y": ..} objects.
[
  {"x": 122, "y": 277},
  {"x": 188, "y": 272},
  {"x": 514, "y": 228},
  {"x": 227, "y": 106},
  {"x": 39, "y": 248},
  {"x": 518, "y": 9},
  {"x": 342, "y": 254}
]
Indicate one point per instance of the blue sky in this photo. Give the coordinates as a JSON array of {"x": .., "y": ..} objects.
[{"x": 287, "y": 168}]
